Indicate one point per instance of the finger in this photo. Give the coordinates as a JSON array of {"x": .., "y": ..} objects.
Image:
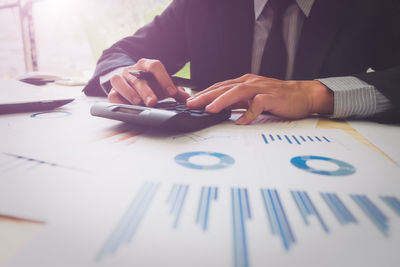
[
  {"x": 212, "y": 88},
  {"x": 115, "y": 97},
  {"x": 160, "y": 73},
  {"x": 120, "y": 85},
  {"x": 182, "y": 95},
  {"x": 255, "y": 109},
  {"x": 142, "y": 88},
  {"x": 235, "y": 95},
  {"x": 208, "y": 97},
  {"x": 231, "y": 82}
]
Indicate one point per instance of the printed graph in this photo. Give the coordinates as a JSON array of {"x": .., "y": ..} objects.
[
  {"x": 198, "y": 138},
  {"x": 240, "y": 214},
  {"x": 130, "y": 221},
  {"x": 126, "y": 137},
  {"x": 294, "y": 139},
  {"x": 277, "y": 217},
  {"x": 11, "y": 162},
  {"x": 208, "y": 195},
  {"x": 51, "y": 114},
  {"x": 343, "y": 168},
  {"x": 392, "y": 202},
  {"x": 307, "y": 208},
  {"x": 176, "y": 200},
  {"x": 279, "y": 221},
  {"x": 374, "y": 214},
  {"x": 342, "y": 214}
]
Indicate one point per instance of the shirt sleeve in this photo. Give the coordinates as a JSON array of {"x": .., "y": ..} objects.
[
  {"x": 355, "y": 98},
  {"x": 104, "y": 79}
]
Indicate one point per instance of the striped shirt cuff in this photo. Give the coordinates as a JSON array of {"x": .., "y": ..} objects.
[{"x": 355, "y": 98}]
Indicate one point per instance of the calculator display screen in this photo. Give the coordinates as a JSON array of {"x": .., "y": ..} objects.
[{"x": 129, "y": 110}]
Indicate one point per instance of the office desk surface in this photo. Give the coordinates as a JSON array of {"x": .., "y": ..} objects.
[{"x": 16, "y": 232}]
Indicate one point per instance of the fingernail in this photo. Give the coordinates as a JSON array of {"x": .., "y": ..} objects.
[
  {"x": 171, "y": 90},
  {"x": 240, "y": 121},
  {"x": 148, "y": 100},
  {"x": 210, "y": 107}
]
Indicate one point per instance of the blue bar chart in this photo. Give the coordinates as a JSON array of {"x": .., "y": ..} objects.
[
  {"x": 393, "y": 203},
  {"x": 342, "y": 214},
  {"x": 10, "y": 162},
  {"x": 208, "y": 195},
  {"x": 176, "y": 200},
  {"x": 280, "y": 222},
  {"x": 240, "y": 214},
  {"x": 293, "y": 139},
  {"x": 277, "y": 217},
  {"x": 373, "y": 212},
  {"x": 307, "y": 208},
  {"x": 130, "y": 221}
]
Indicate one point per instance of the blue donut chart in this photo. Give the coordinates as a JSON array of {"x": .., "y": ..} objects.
[
  {"x": 344, "y": 169},
  {"x": 54, "y": 114},
  {"x": 224, "y": 160}
]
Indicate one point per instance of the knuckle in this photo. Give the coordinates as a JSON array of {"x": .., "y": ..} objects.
[
  {"x": 240, "y": 87},
  {"x": 258, "y": 99},
  {"x": 218, "y": 84},
  {"x": 115, "y": 79},
  {"x": 249, "y": 76},
  {"x": 154, "y": 64},
  {"x": 141, "y": 61}
]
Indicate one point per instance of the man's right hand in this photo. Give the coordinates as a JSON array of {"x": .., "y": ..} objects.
[{"x": 127, "y": 89}]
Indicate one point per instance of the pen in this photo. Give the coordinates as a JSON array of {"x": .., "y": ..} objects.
[{"x": 148, "y": 76}]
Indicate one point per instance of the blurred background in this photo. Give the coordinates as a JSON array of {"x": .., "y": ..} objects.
[{"x": 66, "y": 37}]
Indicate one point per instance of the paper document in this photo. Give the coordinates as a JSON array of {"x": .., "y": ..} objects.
[{"x": 385, "y": 137}]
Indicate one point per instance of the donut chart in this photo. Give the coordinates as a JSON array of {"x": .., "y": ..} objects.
[
  {"x": 224, "y": 161},
  {"x": 51, "y": 114},
  {"x": 343, "y": 168}
]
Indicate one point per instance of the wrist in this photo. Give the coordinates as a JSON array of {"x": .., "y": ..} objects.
[{"x": 321, "y": 98}]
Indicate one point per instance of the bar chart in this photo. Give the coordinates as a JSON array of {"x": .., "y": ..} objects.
[
  {"x": 11, "y": 162},
  {"x": 277, "y": 217},
  {"x": 130, "y": 221},
  {"x": 373, "y": 212},
  {"x": 240, "y": 215},
  {"x": 392, "y": 202},
  {"x": 208, "y": 195},
  {"x": 307, "y": 208},
  {"x": 176, "y": 200},
  {"x": 342, "y": 214},
  {"x": 281, "y": 222},
  {"x": 292, "y": 139}
]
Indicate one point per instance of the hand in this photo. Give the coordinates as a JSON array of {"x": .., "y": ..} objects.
[
  {"x": 289, "y": 99},
  {"x": 127, "y": 89}
]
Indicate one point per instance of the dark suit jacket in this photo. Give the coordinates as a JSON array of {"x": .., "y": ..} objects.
[{"x": 341, "y": 37}]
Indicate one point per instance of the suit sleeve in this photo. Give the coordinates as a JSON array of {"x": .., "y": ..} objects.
[
  {"x": 386, "y": 77},
  {"x": 163, "y": 39}
]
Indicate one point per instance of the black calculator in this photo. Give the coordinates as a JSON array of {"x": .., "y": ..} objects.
[{"x": 168, "y": 115}]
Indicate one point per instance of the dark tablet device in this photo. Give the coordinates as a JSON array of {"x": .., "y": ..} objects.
[
  {"x": 171, "y": 116},
  {"x": 33, "y": 106}
]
